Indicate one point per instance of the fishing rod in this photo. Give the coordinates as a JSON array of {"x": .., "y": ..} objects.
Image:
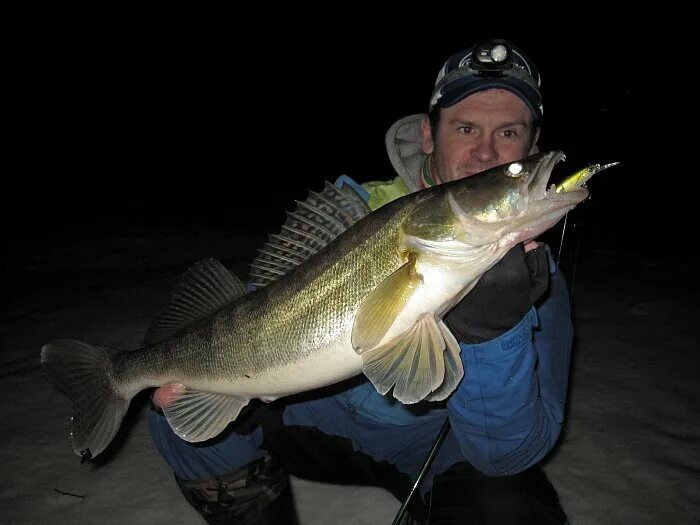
[{"x": 426, "y": 465}]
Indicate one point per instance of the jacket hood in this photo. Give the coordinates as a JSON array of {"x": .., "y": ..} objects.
[{"x": 403, "y": 144}]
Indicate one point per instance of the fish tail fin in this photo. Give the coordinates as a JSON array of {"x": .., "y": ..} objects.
[{"x": 83, "y": 373}]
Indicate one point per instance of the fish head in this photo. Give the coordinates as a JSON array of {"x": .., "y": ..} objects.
[{"x": 511, "y": 202}]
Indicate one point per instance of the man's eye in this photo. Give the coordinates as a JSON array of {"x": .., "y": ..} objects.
[
  {"x": 465, "y": 130},
  {"x": 510, "y": 134}
]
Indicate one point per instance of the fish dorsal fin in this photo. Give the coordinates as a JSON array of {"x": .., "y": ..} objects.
[
  {"x": 383, "y": 305},
  {"x": 314, "y": 223},
  {"x": 205, "y": 288},
  {"x": 197, "y": 416},
  {"x": 422, "y": 363}
]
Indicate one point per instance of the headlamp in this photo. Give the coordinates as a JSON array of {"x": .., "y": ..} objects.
[{"x": 491, "y": 58}]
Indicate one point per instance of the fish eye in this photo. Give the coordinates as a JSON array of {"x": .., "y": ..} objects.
[{"x": 514, "y": 169}]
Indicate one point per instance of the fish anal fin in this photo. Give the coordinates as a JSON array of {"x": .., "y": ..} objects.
[
  {"x": 383, "y": 305},
  {"x": 412, "y": 363},
  {"x": 197, "y": 416}
]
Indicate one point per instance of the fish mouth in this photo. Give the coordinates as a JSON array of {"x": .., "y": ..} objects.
[
  {"x": 567, "y": 194},
  {"x": 574, "y": 192},
  {"x": 571, "y": 188},
  {"x": 548, "y": 205}
]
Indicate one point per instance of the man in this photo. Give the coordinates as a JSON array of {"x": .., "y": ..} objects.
[{"x": 507, "y": 412}]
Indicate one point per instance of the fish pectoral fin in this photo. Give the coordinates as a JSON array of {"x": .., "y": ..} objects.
[
  {"x": 383, "y": 305},
  {"x": 198, "y": 416},
  {"x": 414, "y": 363},
  {"x": 454, "y": 370}
]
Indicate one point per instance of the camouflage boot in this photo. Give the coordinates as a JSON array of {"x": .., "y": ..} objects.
[{"x": 258, "y": 493}]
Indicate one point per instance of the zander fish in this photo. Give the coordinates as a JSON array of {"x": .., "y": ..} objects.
[{"x": 340, "y": 291}]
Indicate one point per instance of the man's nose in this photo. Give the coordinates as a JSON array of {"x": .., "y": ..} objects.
[{"x": 485, "y": 150}]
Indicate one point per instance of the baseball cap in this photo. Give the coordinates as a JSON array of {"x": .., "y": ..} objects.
[{"x": 490, "y": 64}]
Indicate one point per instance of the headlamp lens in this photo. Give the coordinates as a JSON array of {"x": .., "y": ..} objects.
[
  {"x": 499, "y": 53},
  {"x": 491, "y": 57}
]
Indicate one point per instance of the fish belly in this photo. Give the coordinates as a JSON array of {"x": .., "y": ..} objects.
[{"x": 319, "y": 368}]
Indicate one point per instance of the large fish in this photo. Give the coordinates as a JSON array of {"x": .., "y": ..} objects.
[{"x": 341, "y": 291}]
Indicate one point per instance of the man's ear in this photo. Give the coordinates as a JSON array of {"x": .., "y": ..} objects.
[
  {"x": 427, "y": 142},
  {"x": 534, "y": 148}
]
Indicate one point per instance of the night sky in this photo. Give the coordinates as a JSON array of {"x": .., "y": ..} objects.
[{"x": 132, "y": 118}]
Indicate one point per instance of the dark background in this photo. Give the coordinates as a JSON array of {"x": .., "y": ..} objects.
[{"x": 132, "y": 118}]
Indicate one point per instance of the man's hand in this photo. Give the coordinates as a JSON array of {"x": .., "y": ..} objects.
[
  {"x": 503, "y": 295},
  {"x": 530, "y": 245},
  {"x": 165, "y": 395}
]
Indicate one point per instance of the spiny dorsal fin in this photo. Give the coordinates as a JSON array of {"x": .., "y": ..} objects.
[
  {"x": 205, "y": 288},
  {"x": 312, "y": 225}
]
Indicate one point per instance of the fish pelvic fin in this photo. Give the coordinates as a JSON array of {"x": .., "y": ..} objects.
[
  {"x": 422, "y": 363},
  {"x": 383, "y": 305},
  {"x": 197, "y": 416},
  {"x": 83, "y": 373}
]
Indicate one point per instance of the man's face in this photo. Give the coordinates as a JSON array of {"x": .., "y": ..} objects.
[{"x": 481, "y": 131}]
